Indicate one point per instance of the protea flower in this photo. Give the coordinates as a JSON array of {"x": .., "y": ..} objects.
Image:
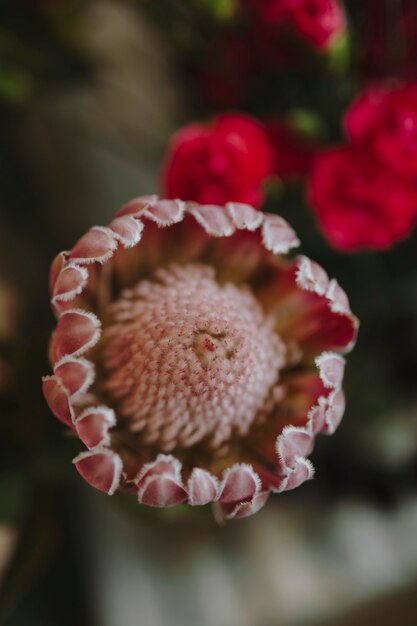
[{"x": 192, "y": 359}]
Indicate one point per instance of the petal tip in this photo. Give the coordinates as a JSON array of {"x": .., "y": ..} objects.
[{"x": 100, "y": 468}]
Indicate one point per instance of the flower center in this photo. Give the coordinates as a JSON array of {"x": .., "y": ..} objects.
[{"x": 189, "y": 361}]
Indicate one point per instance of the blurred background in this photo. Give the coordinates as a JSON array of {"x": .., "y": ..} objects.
[{"x": 91, "y": 93}]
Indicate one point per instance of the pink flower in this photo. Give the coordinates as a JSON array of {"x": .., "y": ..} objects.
[
  {"x": 222, "y": 162},
  {"x": 194, "y": 362},
  {"x": 359, "y": 203},
  {"x": 383, "y": 120},
  {"x": 319, "y": 22}
]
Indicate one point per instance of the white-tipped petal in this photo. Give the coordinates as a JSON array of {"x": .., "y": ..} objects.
[{"x": 277, "y": 235}]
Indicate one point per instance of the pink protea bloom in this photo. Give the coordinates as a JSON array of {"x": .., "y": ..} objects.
[{"x": 192, "y": 359}]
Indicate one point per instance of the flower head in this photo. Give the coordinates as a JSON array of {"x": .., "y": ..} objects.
[
  {"x": 359, "y": 203},
  {"x": 318, "y": 22},
  {"x": 221, "y": 162},
  {"x": 194, "y": 362},
  {"x": 383, "y": 120}
]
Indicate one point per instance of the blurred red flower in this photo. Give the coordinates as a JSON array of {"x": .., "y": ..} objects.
[
  {"x": 384, "y": 119},
  {"x": 221, "y": 162},
  {"x": 359, "y": 203},
  {"x": 319, "y": 22}
]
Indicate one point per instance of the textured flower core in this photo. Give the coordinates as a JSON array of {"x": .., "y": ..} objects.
[{"x": 189, "y": 361}]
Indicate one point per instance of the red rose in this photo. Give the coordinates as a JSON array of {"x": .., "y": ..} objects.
[
  {"x": 319, "y": 22},
  {"x": 359, "y": 203},
  {"x": 293, "y": 153},
  {"x": 218, "y": 163},
  {"x": 384, "y": 118}
]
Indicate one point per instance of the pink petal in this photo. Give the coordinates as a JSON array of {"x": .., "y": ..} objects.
[
  {"x": 76, "y": 332},
  {"x": 97, "y": 244},
  {"x": 335, "y": 410},
  {"x": 244, "y": 216},
  {"x": 292, "y": 443},
  {"x": 57, "y": 399},
  {"x": 56, "y": 267},
  {"x": 93, "y": 425},
  {"x": 163, "y": 464},
  {"x": 240, "y": 483},
  {"x": 137, "y": 205},
  {"x": 245, "y": 509},
  {"x": 69, "y": 283},
  {"x": 101, "y": 469},
  {"x": 213, "y": 219},
  {"x": 302, "y": 471},
  {"x": 332, "y": 368},
  {"x": 127, "y": 230},
  {"x": 338, "y": 298},
  {"x": 161, "y": 491},
  {"x": 277, "y": 235},
  {"x": 317, "y": 416},
  {"x": 165, "y": 212},
  {"x": 311, "y": 276},
  {"x": 76, "y": 375},
  {"x": 304, "y": 312},
  {"x": 202, "y": 487}
]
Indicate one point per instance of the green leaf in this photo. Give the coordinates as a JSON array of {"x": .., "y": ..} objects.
[{"x": 306, "y": 122}]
